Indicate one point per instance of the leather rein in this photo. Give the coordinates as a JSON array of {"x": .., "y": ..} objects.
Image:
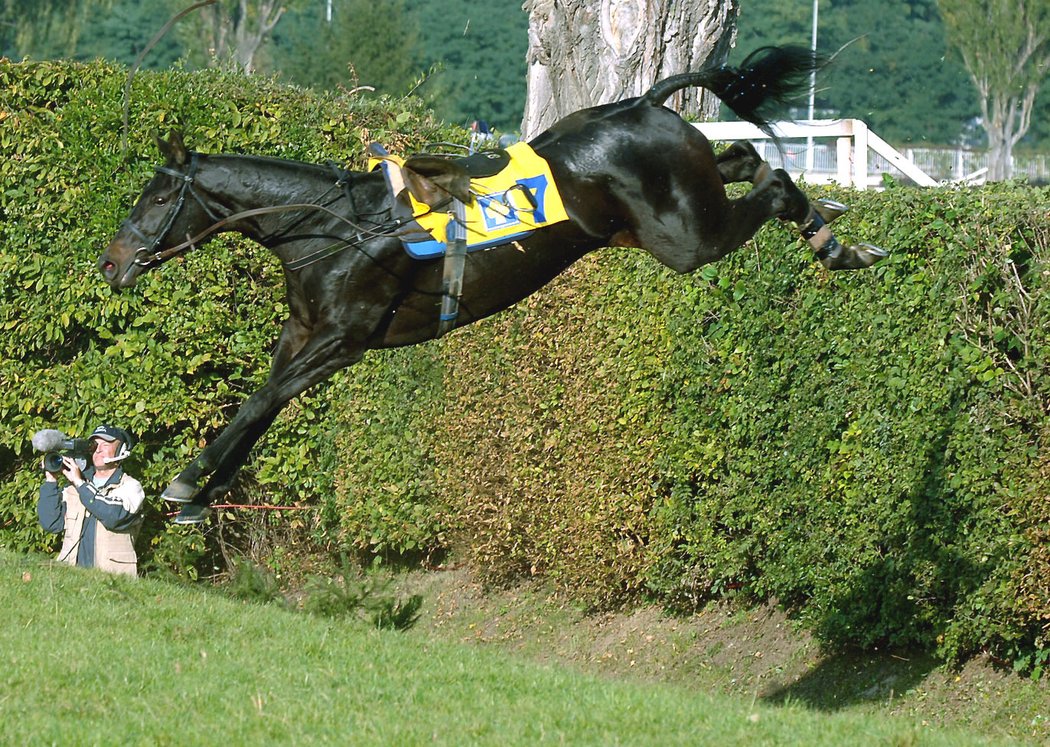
[{"x": 149, "y": 255}]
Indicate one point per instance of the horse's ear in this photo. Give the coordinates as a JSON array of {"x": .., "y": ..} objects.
[
  {"x": 432, "y": 179},
  {"x": 173, "y": 149}
]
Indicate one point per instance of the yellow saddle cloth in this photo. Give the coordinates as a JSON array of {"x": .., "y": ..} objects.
[{"x": 506, "y": 207}]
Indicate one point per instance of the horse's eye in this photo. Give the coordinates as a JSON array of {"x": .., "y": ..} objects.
[{"x": 160, "y": 200}]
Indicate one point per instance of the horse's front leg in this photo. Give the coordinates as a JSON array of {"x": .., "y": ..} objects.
[
  {"x": 184, "y": 488},
  {"x": 216, "y": 466},
  {"x": 220, "y": 460}
]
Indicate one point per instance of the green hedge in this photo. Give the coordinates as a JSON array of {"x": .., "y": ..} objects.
[{"x": 868, "y": 449}]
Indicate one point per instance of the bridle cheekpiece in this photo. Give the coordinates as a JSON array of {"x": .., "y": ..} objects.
[{"x": 148, "y": 254}]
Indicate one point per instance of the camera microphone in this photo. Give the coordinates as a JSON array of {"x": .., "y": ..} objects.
[{"x": 49, "y": 440}]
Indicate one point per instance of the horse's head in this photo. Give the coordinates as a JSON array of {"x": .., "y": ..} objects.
[{"x": 163, "y": 220}]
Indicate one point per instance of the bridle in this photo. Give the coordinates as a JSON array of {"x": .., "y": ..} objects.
[{"x": 146, "y": 256}]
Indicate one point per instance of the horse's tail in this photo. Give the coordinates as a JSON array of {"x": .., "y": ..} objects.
[{"x": 767, "y": 79}]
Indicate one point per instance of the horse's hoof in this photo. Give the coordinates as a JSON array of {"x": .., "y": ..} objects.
[
  {"x": 179, "y": 491},
  {"x": 829, "y": 210},
  {"x": 854, "y": 257},
  {"x": 191, "y": 513},
  {"x": 869, "y": 254}
]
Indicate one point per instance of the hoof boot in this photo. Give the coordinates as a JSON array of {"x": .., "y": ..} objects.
[{"x": 191, "y": 513}]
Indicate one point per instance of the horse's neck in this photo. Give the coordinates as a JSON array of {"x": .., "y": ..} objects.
[{"x": 244, "y": 184}]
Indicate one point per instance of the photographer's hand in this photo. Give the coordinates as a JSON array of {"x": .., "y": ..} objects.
[
  {"x": 72, "y": 471},
  {"x": 48, "y": 476}
]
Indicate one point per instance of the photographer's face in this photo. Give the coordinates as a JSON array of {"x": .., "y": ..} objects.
[{"x": 104, "y": 450}]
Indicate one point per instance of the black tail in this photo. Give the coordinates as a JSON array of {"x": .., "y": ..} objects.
[{"x": 767, "y": 80}]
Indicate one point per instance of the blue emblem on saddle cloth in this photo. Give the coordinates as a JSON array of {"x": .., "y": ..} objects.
[{"x": 507, "y": 206}]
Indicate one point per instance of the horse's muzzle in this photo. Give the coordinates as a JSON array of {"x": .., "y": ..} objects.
[{"x": 118, "y": 273}]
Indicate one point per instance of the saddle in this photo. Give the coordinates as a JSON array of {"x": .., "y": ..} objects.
[
  {"x": 505, "y": 194},
  {"x": 485, "y": 163}
]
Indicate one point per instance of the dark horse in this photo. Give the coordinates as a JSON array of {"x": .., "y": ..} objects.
[{"x": 631, "y": 174}]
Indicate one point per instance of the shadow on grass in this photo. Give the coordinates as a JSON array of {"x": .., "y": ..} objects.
[{"x": 849, "y": 679}]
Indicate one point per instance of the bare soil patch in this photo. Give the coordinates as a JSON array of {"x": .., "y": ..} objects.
[{"x": 759, "y": 654}]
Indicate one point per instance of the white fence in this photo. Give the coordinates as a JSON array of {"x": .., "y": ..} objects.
[
  {"x": 859, "y": 157},
  {"x": 961, "y": 165}
]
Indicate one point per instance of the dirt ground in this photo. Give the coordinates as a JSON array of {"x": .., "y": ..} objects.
[{"x": 760, "y": 654}]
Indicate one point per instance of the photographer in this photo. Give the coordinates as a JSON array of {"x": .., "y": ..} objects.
[{"x": 99, "y": 510}]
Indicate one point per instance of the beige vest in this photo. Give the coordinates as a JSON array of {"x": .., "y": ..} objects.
[{"x": 114, "y": 551}]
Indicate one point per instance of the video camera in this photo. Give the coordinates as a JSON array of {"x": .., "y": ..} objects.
[{"x": 56, "y": 445}]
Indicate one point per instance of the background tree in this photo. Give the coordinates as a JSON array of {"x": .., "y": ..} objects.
[
  {"x": 230, "y": 33},
  {"x": 121, "y": 29},
  {"x": 365, "y": 43},
  {"x": 897, "y": 72},
  {"x": 896, "y": 76},
  {"x": 582, "y": 53},
  {"x": 1005, "y": 45},
  {"x": 477, "y": 51},
  {"x": 43, "y": 27}
]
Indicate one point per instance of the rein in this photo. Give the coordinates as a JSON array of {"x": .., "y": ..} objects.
[{"x": 386, "y": 229}]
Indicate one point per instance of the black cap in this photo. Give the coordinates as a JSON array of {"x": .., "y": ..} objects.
[{"x": 113, "y": 433}]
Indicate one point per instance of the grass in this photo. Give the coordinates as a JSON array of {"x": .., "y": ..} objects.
[{"x": 87, "y": 658}]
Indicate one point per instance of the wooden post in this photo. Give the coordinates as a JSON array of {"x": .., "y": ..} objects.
[{"x": 860, "y": 154}]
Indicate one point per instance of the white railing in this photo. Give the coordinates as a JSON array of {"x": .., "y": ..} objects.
[
  {"x": 850, "y": 164},
  {"x": 970, "y": 166}
]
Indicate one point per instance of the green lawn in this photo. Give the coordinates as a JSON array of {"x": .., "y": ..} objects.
[{"x": 93, "y": 659}]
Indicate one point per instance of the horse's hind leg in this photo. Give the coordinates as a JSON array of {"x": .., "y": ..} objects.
[
  {"x": 740, "y": 162},
  {"x": 718, "y": 231},
  {"x": 710, "y": 225},
  {"x": 814, "y": 228}
]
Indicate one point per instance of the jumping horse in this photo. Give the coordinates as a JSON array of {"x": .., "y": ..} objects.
[{"x": 631, "y": 174}]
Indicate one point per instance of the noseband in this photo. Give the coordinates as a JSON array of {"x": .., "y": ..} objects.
[{"x": 148, "y": 254}]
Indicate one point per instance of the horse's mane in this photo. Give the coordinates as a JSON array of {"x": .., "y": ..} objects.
[{"x": 329, "y": 169}]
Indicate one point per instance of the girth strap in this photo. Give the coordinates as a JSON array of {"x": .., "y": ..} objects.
[{"x": 455, "y": 261}]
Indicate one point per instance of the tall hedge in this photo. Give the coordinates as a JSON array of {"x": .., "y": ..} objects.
[{"x": 869, "y": 449}]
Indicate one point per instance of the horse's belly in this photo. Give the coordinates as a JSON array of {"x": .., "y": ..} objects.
[{"x": 493, "y": 280}]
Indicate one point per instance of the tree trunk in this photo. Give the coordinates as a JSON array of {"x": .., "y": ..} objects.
[
  {"x": 1006, "y": 116},
  {"x": 588, "y": 52},
  {"x": 235, "y": 32},
  {"x": 986, "y": 33}
]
